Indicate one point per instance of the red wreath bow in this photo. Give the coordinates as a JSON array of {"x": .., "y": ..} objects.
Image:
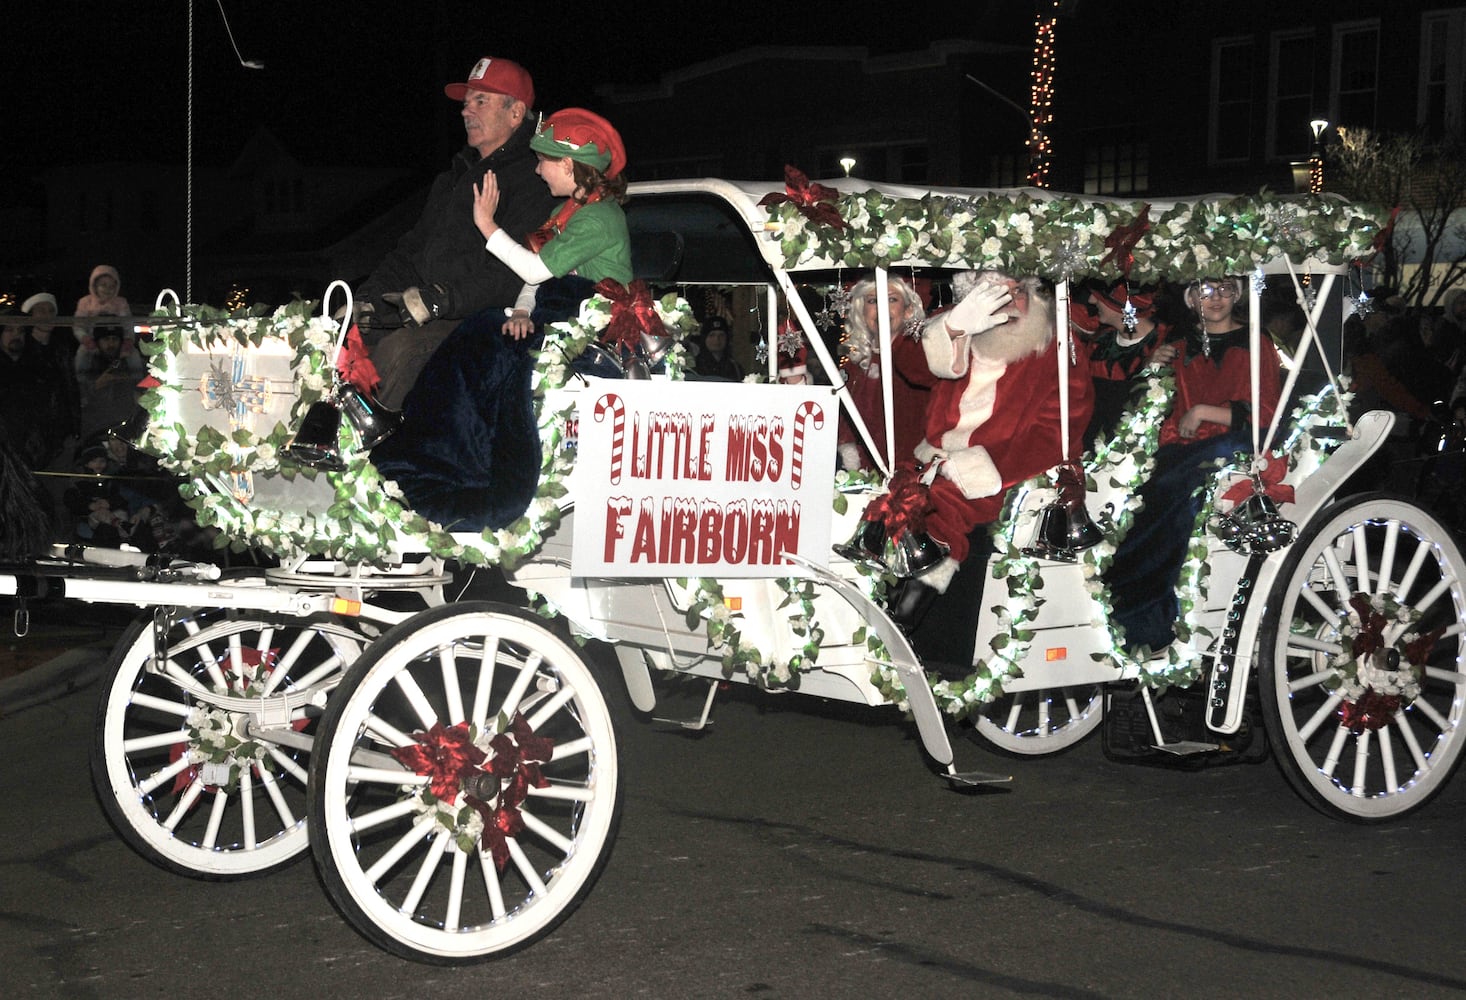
[
  {"x": 1383, "y": 237},
  {"x": 1122, "y": 241},
  {"x": 813, "y": 200},
  {"x": 632, "y": 313},
  {"x": 904, "y": 506},
  {"x": 1272, "y": 483}
]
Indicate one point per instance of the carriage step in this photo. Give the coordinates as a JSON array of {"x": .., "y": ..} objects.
[
  {"x": 973, "y": 778},
  {"x": 702, "y": 722},
  {"x": 1184, "y": 748}
]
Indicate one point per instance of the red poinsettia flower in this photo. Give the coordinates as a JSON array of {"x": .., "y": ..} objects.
[
  {"x": 445, "y": 754},
  {"x": 1371, "y": 711},
  {"x": 904, "y": 506},
  {"x": 813, "y": 200},
  {"x": 1371, "y": 635},
  {"x": 1122, "y": 241},
  {"x": 1418, "y": 650},
  {"x": 355, "y": 362}
]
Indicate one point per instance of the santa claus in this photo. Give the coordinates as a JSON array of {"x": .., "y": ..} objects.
[{"x": 993, "y": 419}]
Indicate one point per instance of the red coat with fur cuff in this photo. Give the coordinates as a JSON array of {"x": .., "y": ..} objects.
[{"x": 999, "y": 425}]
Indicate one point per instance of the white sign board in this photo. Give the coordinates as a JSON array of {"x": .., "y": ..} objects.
[{"x": 687, "y": 479}]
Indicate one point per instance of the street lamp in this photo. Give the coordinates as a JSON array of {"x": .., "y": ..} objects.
[
  {"x": 848, "y": 164},
  {"x": 1315, "y": 156}
]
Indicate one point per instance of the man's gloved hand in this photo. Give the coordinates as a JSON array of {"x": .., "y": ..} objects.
[
  {"x": 380, "y": 312},
  {"x": 426, "y": 303},
  {"x": 979, "y": 311}
]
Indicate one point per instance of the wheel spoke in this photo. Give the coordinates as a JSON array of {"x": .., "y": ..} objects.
[
  {"x": 488, "y": 658},
  {"x": 1387, "y": 557},
  {"x": 1361, "y": 559},
  {"x": 449, "y": 665},
  {"x": 430, "y": 860}
]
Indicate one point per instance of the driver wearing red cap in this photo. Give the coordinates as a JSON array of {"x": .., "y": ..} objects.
[{"x": 439, "y": 272}]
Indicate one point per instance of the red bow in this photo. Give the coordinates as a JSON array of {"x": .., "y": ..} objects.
[
  {"x": 1070, "y": 483},
  {"x": 1122, "y": 240},
  {"x": 904, "y": 506},
  {"x": 813, "y": 200},
  {"x": 632, "y": 313},
  {"x": 355, "y": 362},
  {"x": 1272, "y": 483}
]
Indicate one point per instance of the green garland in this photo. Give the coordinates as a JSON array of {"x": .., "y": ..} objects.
[
  {"x": 1063, "y": 236},
  {"x": 368, "y": 515}
]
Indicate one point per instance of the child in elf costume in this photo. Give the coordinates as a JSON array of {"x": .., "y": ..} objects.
[{"x": 467, "y": 455}]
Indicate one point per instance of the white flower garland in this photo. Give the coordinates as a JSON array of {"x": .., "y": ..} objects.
[
  {"x": 1189, "y": 240},
  {"x": 368, "y": 515}
]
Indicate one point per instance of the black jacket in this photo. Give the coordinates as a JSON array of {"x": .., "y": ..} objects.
[{"x": 446, "y": 248}]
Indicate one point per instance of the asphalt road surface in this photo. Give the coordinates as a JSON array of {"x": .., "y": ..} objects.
[{"x": 795, "y": 850}]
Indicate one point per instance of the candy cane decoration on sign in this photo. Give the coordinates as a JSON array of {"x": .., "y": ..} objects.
[
  {"x": 612, "y": 402},
  {"x": 809, "y": 412}
]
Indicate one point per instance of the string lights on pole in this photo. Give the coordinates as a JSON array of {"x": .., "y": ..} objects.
[{"x": 1041, "y": 95}]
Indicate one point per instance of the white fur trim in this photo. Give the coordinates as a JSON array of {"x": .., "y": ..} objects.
[
  {"x": 939, "y": 577},
  {"x": 973, "y": 471}
]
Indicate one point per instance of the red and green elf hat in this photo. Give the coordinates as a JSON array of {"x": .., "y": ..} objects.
[{"x": 582, "y": 135}]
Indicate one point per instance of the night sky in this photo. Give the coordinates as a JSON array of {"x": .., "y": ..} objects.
[{"x": 91, "y": 81}]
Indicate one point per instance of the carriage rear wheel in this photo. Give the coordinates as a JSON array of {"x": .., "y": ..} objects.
[
  {"x": 185, "y": 782},
  {"x": 1044, "y": 721},
  {"x": 1361, "y": 673},
  {"x": 467, "y": 791}
]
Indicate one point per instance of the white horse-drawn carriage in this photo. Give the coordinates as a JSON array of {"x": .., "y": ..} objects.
[{"x": 453, "y": 765}]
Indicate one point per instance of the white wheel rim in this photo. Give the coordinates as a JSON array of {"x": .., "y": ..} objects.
[
  {"x": 1372, "y": 773},
  {"x": 437, "y": 899},
  {"x": 215, "y": 831},
  {"x": 1043, "y": 721}
]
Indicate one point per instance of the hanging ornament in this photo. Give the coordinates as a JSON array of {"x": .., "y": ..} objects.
[
  {"x": 1259, "y": 281},
  {"x": 1068, "y": 258},
  {"x": 1128, "y": 315},
  {"x": 791, "y": 338},
  {"x": 840, "y": 298},
  {"x": 761, "y": 351}
]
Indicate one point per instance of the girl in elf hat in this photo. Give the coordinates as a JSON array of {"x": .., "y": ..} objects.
[
  {"x": 581, "y": 159},
  {"x": 467, "y": 455}
]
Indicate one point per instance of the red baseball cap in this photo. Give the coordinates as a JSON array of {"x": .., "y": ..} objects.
[{"x": 495, "y": 76}]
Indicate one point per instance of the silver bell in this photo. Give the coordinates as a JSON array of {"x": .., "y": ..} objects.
[
  {"x": 916, "y": 552},
  {"x": 1064, "y": 531},
  {"x": 317, "y": 443},
  {"x": 372, "y": 421}
]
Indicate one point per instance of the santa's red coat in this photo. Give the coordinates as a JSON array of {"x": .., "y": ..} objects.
[{"x": 1020, "y": 432}]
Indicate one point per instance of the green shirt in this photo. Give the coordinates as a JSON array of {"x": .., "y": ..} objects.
[{"x": 594, "y": 245}]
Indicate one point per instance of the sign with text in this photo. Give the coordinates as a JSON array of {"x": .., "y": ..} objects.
[{"x": 702, "y": 478}]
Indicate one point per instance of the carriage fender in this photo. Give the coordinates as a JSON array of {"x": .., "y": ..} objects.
[
  {"x": 1310, "y": 497},
  {"x": 919, "y": 697}
]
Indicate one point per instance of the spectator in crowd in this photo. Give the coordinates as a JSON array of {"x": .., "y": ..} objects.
[
  {"x": 102, "y": 298},
  {"x": 715, "y": 356},
  {"x": 30, "y": 395},
  {"x": 107, "y": 376},
  {"x": 440, "y": 272},
  {"x": 56, "y": 354}
]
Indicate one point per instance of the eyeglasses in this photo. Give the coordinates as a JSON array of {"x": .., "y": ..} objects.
[{"x": 1227, "y": 291}]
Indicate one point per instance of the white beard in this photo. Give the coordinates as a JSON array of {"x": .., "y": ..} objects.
[{"x": 1023, "y": 335}]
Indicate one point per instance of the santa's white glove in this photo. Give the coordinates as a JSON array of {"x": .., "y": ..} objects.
[{"x": 978, "y": 312}]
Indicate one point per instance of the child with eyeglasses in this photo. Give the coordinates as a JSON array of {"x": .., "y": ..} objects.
[{"x": 1211, "y": 419}]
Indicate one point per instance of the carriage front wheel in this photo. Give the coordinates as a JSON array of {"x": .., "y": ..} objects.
[
  {"x": 466, "y": 792},
  {"x": 1361, "y": 671},
  {"x": 1042, "y": 721}
]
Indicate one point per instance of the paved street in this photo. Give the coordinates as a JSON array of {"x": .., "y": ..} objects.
[{"x": 797, "y": 850}]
